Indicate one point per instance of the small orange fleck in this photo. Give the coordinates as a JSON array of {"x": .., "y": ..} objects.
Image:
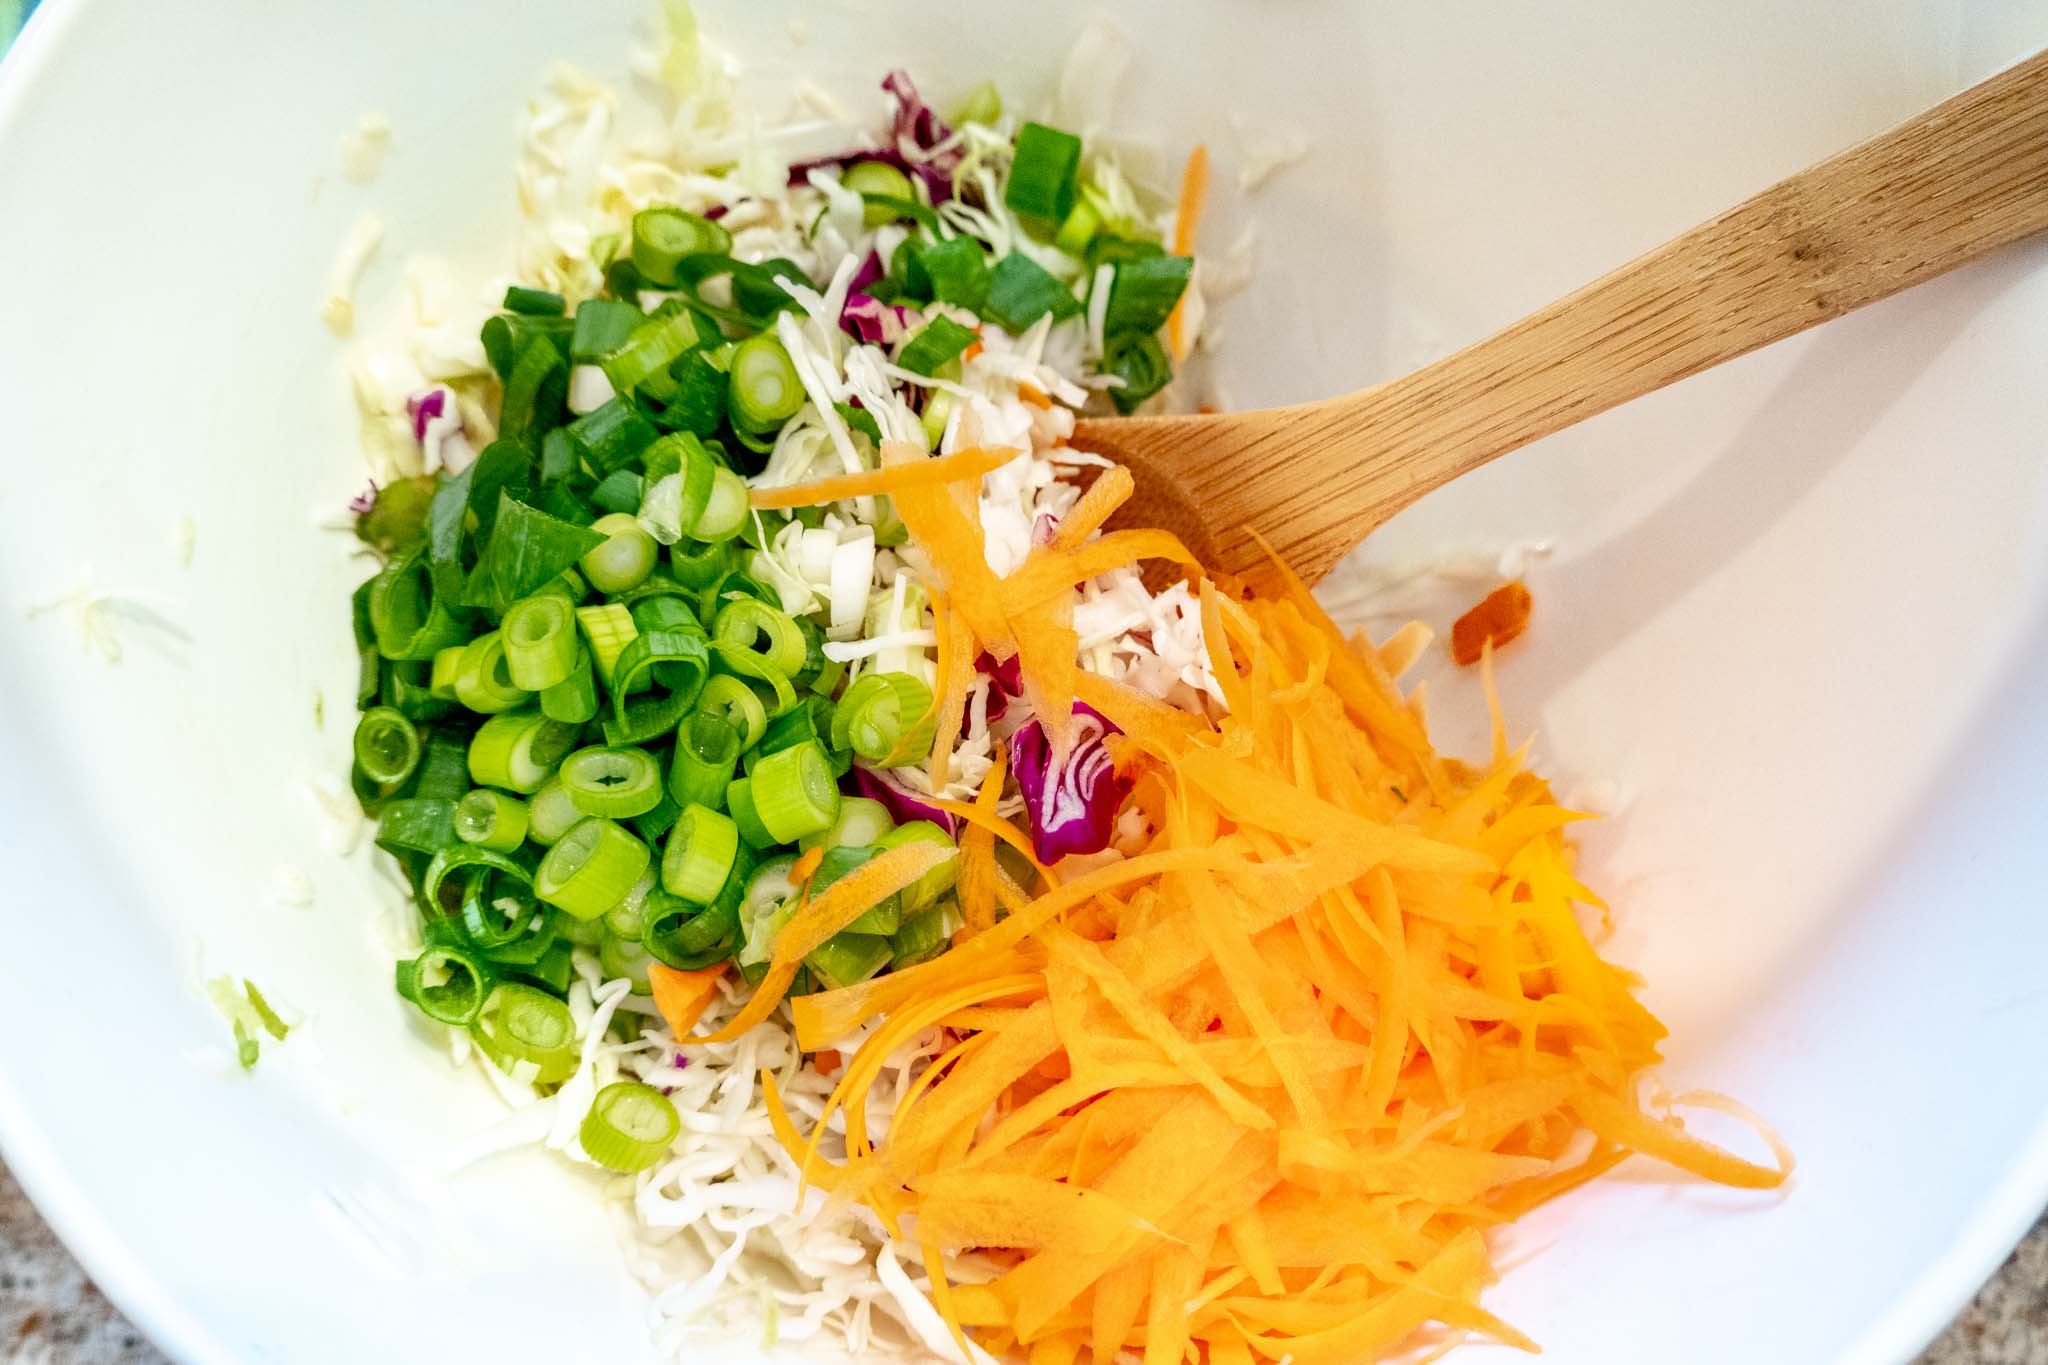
[
  {"x": 1033, "y": 395},
  {"x": 1501, "y": 617},
  {"x": 973, "y": 350},
  {"x": 825, "y": 1061},
  {"x": 1207, "y": 409}
]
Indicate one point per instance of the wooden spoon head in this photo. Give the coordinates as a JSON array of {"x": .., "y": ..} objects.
[{"x": 1212, "y": 480}]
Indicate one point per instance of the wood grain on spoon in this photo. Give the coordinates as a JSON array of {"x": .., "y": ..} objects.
[{"x": 1963, "y": 178}]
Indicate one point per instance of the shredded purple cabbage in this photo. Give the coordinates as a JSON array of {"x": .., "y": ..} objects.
[
  {"x": 875, "y": 322},
  {"x": 914, "y": 121},
  {"x": 903, "y": 803},
  {"x": 870, "y": 270},
  {"x": 362, "y": 502},
  {"x": 1073, "y": 808},
  {"x": 913, "y": 129},
  {"x": 425, "y": 409}
]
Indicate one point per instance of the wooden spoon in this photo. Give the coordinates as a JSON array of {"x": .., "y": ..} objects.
[{"x": 1968, "y": 175}]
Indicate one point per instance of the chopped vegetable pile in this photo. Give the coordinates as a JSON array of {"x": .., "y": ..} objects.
[{"x": 749, "y": 674}]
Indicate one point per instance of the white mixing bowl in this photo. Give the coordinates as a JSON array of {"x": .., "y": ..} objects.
[{"x": 1796, "y": 612}]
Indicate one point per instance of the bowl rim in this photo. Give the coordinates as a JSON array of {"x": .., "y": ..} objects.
[{"x": 1942, "y": 1289}]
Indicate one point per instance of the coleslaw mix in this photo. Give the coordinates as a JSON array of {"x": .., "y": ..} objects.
[{"x": 701, "y": 304}]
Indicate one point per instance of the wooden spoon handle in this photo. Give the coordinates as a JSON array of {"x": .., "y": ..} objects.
[{"x": 1963, "y": 178}]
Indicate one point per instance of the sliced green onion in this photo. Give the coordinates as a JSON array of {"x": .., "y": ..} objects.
[
  {"x": 387, "y": 746},
  {"x": 725, "y": 510},
  {"x": 591, "y": 868},
  {"x": 672, "y": 508},
  {"x": 517, "y": 750},
  {"x": 611, "y": 436},
  {"x": 886, "y": 718},
  {"x": 654, "y": 825},
  {"x": 700, "y": 854},
  {"x": 536, "y": 393},
  {"x": 491, "y": 820},
  {"x": 550, "y": 813},
  {"x": 731, "y": 701},
  {"x": 626, "y": 557},
  {"x": 707, "y": 749},
  {"x": 552, "y": 973},
  {"x": 629, "y": 1126},
  {"x": 622, "y": 490},
  {"x": 877, "y": 178},
  {"x": 941, "y": 340},
  {"x": 416, "y": 825},
  {"x": 533, "y": 302},
  {"x": 772, "y": 634},
  {"x": 444, "y": 768},
  {"x": 540, "y": 640},
  {"x": 483, "y": 866},
  {"x": 880, "y": 918},
  {"x": 1078, "y": 228},
  {"x": 938, "y": 411},
  {"x": 447, "y": 664},
  {"x": 574, "y": 698},
  {"x": 794, "y": 792},
  {"x": 765, "y": 391},
  {"x": 520, "y": 1023},
  {"x": 583, "y": 933},
  {"x": 1142, "y": 293},
  {"x": 608, "y": 629},
  {"x": 984, "y": 104},
  {"x": 1142, "y": 363},
  {"x": 925, "y": 935},
  {"x": 628, "y": 917},
  {"x": 407, "y": 614},
  {"x": 933, "y": 884},
  {"x": 1043, "y": 175},
  {"x": 739, "y": 803},
  {"x": 764, "y": 908},
  {"x": 698, "y": 405},
  {"x": 958, "y": 269},
  {"x": 775, "y": 691},
  {"x": 483, "y": 678},
  {"x": 602, "y": 326},
  {"x": 1021, "y": 291},
  {"x": 848, "y": 958},
  {"x": 663, "y": 235},
  {"x": 506, "y": 336},
  {"x": 446, "y": 983},
  {"x": 691, "y": 937},
  {"x": 656, "y": 344},
  {"x": 670, "y": 650},
  {"x": 861, "y": 822},
  {"x": 614, "y": 783},
  {"x": 620, "y": 956}
]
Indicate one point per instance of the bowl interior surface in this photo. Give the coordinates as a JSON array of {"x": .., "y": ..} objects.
[{"x": 1787, "y": 617}]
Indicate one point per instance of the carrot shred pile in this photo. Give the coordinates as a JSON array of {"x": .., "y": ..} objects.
[
  {"x": 1257, "y": 1090},
  {"x": 1499, "y": 617}
]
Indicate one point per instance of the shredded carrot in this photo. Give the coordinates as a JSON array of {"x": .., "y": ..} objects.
[
  {"x": 682, "y": 997},
  {"x": 1194, "y": 192},
  {"x": 1258, "y": 1089},
  {"x": 917, "y": 471},
  {"x": 1032, "y": 394},
  {"x": 1502, "y": 615},
  {"x": 826, "y": 1061},
  {"x": 806, "y": 865}
]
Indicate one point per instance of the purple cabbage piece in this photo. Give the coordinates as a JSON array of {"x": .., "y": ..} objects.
[
  {"x": 873, "y": 321},
  {"x": 912, "y": 124},
  {"x": 1073, "y": 808},
  {"x": 914, "y": 121},
  {"x": 870, "y": 270},
  {"x": 425, "y": 409},
  {"x": 903, "y": 803},
  {"x": 362, "y": 502}
]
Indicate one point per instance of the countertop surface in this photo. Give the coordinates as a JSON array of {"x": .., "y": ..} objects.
[{"x": 50, "y": 1312}]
